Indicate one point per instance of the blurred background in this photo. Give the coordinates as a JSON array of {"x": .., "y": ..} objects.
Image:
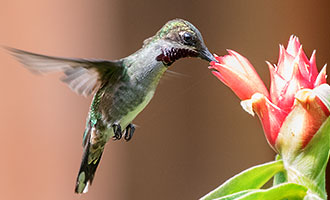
[{"x": 192, "y": 136}]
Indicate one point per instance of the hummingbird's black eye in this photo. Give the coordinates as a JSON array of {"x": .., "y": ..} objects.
[{"x": 188, "y": 38}]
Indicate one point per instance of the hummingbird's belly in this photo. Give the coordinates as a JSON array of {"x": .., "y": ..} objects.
[
  {"x": 129, "y": 117},
  {"x": 126, "y": 116}
]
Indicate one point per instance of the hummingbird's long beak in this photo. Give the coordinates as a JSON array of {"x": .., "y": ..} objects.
[{"x": 206, "y": 55}]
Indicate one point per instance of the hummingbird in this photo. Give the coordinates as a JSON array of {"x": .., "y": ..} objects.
[{"x": 122, "y": 88}]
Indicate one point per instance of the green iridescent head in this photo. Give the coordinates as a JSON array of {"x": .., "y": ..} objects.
[{"x": 185, "y": 37}]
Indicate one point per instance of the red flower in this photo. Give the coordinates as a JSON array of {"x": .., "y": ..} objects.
[{"x": 292, "y": 105}]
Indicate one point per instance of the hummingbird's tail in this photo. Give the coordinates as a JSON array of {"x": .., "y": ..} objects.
[{"x": 86, "y": 171}]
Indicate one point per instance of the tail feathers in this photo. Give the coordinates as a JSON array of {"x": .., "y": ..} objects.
[{"x": 86, "y": 172}]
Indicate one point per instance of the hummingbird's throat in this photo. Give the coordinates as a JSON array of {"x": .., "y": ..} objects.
[{"x": 168, "y": 56}]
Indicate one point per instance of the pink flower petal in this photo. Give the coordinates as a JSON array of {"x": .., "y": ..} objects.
[
  {"x": 302, "y": 123},
  {"x": 241, "y": 85},
  {"x": 237, "y": 73},
  {"x": 322, "y": 76},
  {"x": 270, "y": 116},
  {"x": 304, "y": 65},
  {"x": 277, "y": 84},
  {"x": 246, "y": 67},
  {"x": 313, "y": 68},
  {"x": 314, "y": 115},
  {"x": 288, "y": 92},
  {"x": 293, "y": 46},
  {"x": 284, "y": 64}
]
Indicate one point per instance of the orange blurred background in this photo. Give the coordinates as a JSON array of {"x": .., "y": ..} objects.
[{"x": 193, "y": 135}]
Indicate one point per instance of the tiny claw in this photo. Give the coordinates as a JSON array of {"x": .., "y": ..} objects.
[
  {"x": 117, "y": 131},
  {"x": 129, "y": 132}
]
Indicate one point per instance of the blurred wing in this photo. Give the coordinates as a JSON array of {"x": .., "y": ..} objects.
[{"x": 83, "y": 76}]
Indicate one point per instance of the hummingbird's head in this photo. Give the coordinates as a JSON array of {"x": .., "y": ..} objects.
[{"x": 182, "y": 40}]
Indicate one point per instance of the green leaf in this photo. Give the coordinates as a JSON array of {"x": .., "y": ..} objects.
[
  {"x": 235, "y": 195},
  {"x": 252, "y": 178},
  {"x": 289, "y": 191},
  {"x": 311, "y": 196},
  {"x": 280, "y": 177}
]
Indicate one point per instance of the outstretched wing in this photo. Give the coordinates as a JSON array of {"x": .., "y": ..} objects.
[{"x": 83, "y": 76}]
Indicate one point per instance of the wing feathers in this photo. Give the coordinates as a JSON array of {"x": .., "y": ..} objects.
[{"x": 82, "y": 76}]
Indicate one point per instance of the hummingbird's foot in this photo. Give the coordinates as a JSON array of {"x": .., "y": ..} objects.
[
  {"x": 129, "y": 132},
  {"x": 117, "y": 131}
]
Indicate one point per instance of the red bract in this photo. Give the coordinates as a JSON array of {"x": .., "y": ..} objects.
[
  {"x": 237, "y": 73},
  {"x": 293, "y": 73}
]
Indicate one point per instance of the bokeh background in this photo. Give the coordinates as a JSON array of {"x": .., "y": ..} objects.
[{"x": 193, "y": 135}]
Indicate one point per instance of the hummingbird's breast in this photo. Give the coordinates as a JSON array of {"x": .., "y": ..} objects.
[
  {"x": 122, "y": 101},
  {"x": 134, "y": 106}
]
